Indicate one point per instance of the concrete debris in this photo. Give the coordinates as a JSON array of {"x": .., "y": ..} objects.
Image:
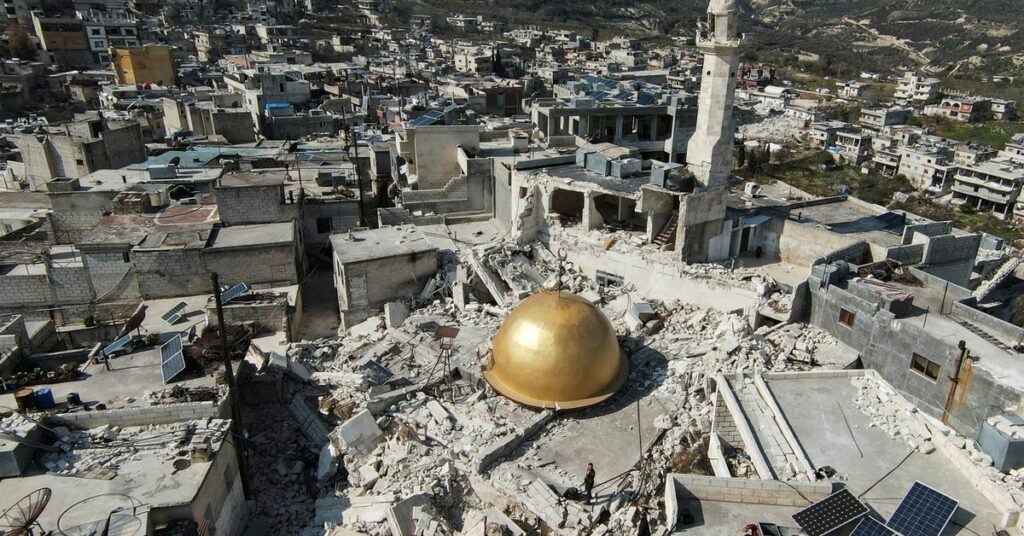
[
  {"x": 419, "y": 448},
  {"x": 901, "y": 420},
  {"x": 360, "y": 433},
  {"x": 109, "y": 447}
]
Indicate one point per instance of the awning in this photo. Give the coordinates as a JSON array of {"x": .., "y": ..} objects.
[{"x": 751, "y": 221}]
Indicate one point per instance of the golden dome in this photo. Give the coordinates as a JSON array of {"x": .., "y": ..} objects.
[{"x": 556, "y": 350}]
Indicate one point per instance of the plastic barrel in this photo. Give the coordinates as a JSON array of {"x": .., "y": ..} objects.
[
  {"x": 25, "y": 399},
  {"x": 44, "y": 398}
]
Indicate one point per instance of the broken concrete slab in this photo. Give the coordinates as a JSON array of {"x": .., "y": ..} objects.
[
  {"x": 360, "y": 433},
  {"x": 395, "y": 314},
  {"x": 400, "y": 516},
  {"x": 370, "y": 326},
  {"x": 327, "y": 466},
  {"x": 507, "y": 444}
]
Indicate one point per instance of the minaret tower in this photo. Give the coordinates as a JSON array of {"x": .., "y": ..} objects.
[{"x": 709, "y": 153}]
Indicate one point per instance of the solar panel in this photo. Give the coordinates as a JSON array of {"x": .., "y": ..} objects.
[
  {"x": 174, "y": 314},
  {"x": 426, "y": 119},
  {"x": 830, "y": 513},
  {"x": 644, "y": 98},
  {"x": 599, "y": 95},
  {"x": 623, "y": 95},
  {"x": 172, "y": 359},
  {"x": 870, "y": 526},
  {"x": 233, "y": 292},
  {"x": 922, "y": 512},
  {"x": 117, "y": 345}
]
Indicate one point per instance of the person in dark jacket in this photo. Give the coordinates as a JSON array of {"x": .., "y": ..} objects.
[{"x": 588, "y": 482}]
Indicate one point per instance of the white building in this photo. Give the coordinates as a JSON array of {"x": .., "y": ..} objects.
[{"x": 913, "y": 88}]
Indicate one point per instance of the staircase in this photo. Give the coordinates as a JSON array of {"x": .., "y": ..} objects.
[
  {"x": 1002, "y": 274},
  {"x": 668, "y": 232}
]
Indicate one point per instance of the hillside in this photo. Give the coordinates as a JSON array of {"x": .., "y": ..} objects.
[{"x": 954, "y": 37}]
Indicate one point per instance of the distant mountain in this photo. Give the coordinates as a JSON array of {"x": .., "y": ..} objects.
[{"x": 939, "y": 36}]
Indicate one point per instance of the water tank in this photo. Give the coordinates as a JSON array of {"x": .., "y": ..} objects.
[{"x": 1002, "y": 438}]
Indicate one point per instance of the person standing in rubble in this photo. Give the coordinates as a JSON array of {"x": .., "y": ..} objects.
[{"x": 588, "y": 482}]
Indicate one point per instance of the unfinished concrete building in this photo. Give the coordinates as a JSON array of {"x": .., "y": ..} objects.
[
  {"x": 658, "y": 130},
  {"x": 77, "y": 149}
]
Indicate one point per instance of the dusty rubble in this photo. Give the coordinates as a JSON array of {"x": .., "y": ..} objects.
[
  {"x": 109, "y": 447},
  {"x": 902, "y": 421},
  {"x": 408, "y": 454}
]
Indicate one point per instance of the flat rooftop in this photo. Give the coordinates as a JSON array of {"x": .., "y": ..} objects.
[
  {"x": 573, "y": 173},
  {"x": 252, "y": 235},
  {"x": 379, "y": 244},
  {"x": 149, "y": 478},
  {"x": 818, "y": 409},
  {"x": 256, "y": 177}
]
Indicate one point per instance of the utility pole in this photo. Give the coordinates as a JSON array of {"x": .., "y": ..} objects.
[{"x": 233, "y": 396}]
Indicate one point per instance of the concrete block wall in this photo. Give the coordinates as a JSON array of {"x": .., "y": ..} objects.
[
  {"x": 997, "y": 495},
  {"x": 71, "y": 227},
  {"x": 722, "y": 423},
  {"x": 17, "y": 290},
  {"x": 909, "y": 254},
  {"x": 170, "y": 273},
  {"x": 265, "y": 264},
  {"x": 748, "y": 491},
  {"x": 71, "y": 285},
  {"x": 1006, "y": 331},
  {"x": 273, "y": 316},
  {"x": 112, "y": 278},
  {"x": 254, "y": 204},
  {"x": 383, "y": 280},
  {"x": 160, "y": 414}
]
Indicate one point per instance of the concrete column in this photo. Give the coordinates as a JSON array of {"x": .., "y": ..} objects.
[
  {"x": 654, "y": 128},
  {"x": 618, "y": 128},
  {"x": 591, "y": 217},
  {"x": 623, "y": 210},
  {"x": 584, "y": 126}
]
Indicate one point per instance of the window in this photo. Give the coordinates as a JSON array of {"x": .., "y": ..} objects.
[
  {"x": 925, "y": 367},
  {"x": 323, "y": 225},
  {"x": 846, "y": 318},
  {"x": 125, "y": 257},
  {"x": 607, "y": 279},
  {"x": 94, "y": 31}
]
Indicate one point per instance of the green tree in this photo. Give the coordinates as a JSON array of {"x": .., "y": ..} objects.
[{"x": 19, "y": 45}]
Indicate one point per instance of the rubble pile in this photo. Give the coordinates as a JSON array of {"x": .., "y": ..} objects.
[
  {"x": 892, "y": 414},
  {"x": 109, "y": 447},
  {"x": 409, "y": 449},
  {"x": 179, "y": 393},
  {"x": 280, "y": 464},
  {"x": 901, "y": 420},
  {"x": 777, "y": 129}
]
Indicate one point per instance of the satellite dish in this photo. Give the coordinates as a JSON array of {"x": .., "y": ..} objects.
[
  {"x": 110, "y": 514},
  {"x": 20, "y": 519}
]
